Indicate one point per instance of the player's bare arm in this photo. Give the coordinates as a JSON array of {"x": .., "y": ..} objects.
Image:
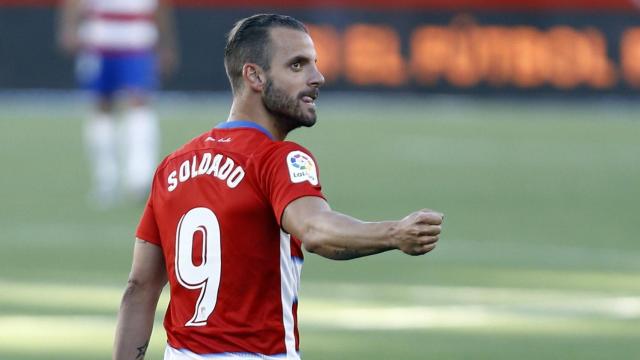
[
  {"x": 167, "y": 44},
  {"x": 340, "y": 237},
  {"x": 68, "y": 21},
  {"x": 138, "y": 306}
]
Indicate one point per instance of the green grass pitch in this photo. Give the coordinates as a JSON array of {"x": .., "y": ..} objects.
[{"x": 539, "y": 257}]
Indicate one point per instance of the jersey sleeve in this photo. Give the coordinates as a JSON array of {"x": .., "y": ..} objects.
[
  {"x": 289, "y": 172},
  {"x": 148, "y": 227}
]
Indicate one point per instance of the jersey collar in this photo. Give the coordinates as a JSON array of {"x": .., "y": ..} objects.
[{"x": 244, "y": 124}]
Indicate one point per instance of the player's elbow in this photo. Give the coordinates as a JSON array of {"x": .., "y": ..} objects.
[
  {"x": 319, "y": 242},
  {"x": 313, "y": 238},
  {"x": 314, "y": 231},
  {"x": 311, "y": 242}
]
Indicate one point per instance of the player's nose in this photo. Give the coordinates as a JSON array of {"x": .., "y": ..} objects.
[{"x": 317, "y": 79}]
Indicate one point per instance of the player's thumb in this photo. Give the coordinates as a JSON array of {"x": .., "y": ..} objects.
[{"x": 430, "y": 217}]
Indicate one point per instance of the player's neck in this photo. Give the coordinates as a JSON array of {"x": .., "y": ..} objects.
[{"x": 257, "y": 114}]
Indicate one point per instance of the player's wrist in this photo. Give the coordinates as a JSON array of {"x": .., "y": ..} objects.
[{"x": 391, "y": 237}]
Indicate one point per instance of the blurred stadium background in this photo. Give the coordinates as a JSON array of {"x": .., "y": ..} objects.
[{"x": 519, "y": 120}]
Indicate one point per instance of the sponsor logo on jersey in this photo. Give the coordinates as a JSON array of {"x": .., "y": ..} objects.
[{"x": 302, "y": 168}]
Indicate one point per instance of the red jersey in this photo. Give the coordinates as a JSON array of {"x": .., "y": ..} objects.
[{"x": 215, "y": 209}]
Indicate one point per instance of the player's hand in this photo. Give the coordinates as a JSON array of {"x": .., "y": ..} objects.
[
  {"x": 168, "y": 61},
  {"x": 68, "y": 42},
  {"x": 418, "y": 233}
]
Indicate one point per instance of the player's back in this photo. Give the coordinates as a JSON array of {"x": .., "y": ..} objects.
[{"x": 216, "y": 204}]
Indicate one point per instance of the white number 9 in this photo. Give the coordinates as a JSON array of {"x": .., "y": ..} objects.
[{"x": 205, "y": 276}]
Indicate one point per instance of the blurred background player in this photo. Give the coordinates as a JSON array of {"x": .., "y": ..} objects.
[{"x": 121, "y": 46}]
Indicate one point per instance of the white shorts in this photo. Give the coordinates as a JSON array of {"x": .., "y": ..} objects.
[{"x": 171, "y": 353}]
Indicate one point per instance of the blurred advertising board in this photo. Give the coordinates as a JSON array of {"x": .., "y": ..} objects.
[{"x": 468, "y": 46}]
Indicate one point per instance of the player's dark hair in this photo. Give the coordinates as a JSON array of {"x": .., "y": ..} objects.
[{"x": 249, "y": 42}]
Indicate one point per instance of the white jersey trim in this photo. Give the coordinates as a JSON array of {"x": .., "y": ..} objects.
[
  {"x": 289, "y": 283},
  {"x": 171, "y": 353}
]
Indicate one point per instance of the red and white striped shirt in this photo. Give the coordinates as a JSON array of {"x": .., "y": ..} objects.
[{"x": 119, "y": 25}]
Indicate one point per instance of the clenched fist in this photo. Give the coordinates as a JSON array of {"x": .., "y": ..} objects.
[{"x": 418, "y": 233}]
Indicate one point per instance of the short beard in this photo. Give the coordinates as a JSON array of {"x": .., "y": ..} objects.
[{"x": 286, "y": 109}]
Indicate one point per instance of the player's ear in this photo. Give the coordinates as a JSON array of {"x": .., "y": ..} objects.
[{"x": 254, "y": 76}]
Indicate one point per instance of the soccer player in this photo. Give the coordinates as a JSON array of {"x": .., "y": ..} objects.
[
  {"x": 120, "y": 46},
  {"x": 230, "y": 211}
]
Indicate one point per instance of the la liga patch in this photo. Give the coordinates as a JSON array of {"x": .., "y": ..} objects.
[{"x": 301, "y": 168}]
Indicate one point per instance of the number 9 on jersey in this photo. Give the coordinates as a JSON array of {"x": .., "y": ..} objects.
[{"x": 206, "y": 275}]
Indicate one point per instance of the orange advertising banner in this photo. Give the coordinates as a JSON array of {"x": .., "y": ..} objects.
[{"x": 506, "y": 5}]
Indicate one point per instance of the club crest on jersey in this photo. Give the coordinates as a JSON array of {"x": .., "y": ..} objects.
[{"x": 302, "y": 168}]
